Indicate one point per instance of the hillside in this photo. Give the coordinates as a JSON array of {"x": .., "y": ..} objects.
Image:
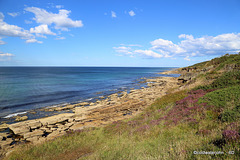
[{"x": 201, "y": 115}]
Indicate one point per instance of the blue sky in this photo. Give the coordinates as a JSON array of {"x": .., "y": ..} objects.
[{"x": 141, "y": 33}]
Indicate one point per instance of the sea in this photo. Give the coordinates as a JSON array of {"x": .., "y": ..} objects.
[{"x": 27, "y": 88}]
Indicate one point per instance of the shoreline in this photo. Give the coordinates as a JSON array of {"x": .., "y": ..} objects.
[
  {"x": 47, "y": 111},
  {"x": 114, "y": 107}
]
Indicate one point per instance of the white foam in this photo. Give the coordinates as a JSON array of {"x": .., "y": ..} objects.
[
  {"x": 89, "y": 99},
  {"x": 14, "y": 114}
]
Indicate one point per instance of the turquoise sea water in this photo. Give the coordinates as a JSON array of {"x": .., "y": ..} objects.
[{"x": 25, "y": 88}]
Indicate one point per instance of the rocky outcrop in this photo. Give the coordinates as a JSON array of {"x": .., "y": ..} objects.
[{"x": 112, "y": 108}]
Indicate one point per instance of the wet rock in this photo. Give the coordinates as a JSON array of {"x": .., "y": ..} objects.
[
  {"x": 32, "y": 112},
  {"x": 91, "y": 104},
  {"x": 83, "y": 103},
  {"x": 19, "y": 118}
]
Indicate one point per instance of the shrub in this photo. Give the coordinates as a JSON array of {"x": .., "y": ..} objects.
[
  {"x": 222, "y": 98},
  {"x": 231, "y": 115},
  {"x": 226, "y": 80}
]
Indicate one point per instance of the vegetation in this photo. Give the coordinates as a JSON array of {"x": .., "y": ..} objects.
[
  {"x": 173, "y": 127},
  {"x": 227, "y": 79}
]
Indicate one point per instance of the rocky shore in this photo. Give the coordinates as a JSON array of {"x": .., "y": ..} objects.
[{"x": 115, "y": 107}]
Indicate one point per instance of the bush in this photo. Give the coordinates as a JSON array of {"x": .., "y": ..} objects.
[
  {"x": 226, "y": 80},
  {"x": 222, "y": 98},
  {"x": 231, "y": 115}
]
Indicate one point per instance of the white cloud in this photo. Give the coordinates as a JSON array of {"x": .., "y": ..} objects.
[
  {"x": 61, "y": 20},
  {"x": 28, "y": 22},
  {"x": 133, "y": 52},
  {"x": 166, "y": 47},
  {"x": 188, "y": 47},
  {"x": 113, "y": 14},
  {"x": 59, "y": 6},
  {"x": 14, "y": 14},
  {"x": 185, "y": 36},
  {"x": 33, "y": 41},
  {"x": 123, "y": 49},
  {"x": 42, "y": 29},
  {"x": 72, "y": 35},
  {"x": 206, "y": 45},
  {"x": 60, "y": 38},
  {"x": 131, "y": 13},
  {"x": 2, "y": 42},
  {"x": 6, "y": 54},
  {"x": 187, "y": 58},
  {"x": 12, "y": 30},
  {"x": 148, "y": 53}
]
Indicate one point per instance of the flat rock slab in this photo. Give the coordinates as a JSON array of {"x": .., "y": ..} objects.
[
  {"x": 23, "y": 127},
  {"x": 56, "y": 119},
  {"x": 33, "y": 134},
  {"x": 19, "y": 128}
]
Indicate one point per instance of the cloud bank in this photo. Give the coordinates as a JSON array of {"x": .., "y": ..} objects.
[{"x": 188, "y": 46}]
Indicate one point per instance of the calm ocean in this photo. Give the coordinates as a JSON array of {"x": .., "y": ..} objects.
[{"x": 25, "y": 88}]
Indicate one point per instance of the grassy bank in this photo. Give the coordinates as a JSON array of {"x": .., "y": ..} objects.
[{"x": 204, "y": 118}]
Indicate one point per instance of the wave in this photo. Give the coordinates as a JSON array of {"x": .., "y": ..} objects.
[{"x": 14, "y": 114}]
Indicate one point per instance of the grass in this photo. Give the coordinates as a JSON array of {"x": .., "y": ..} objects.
[{"x": 173, "y": 127}]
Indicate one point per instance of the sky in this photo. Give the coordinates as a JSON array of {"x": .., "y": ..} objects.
[{"x": 130, "y": 33}]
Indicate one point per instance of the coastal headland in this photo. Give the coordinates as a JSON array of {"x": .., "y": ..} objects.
[
  {"x": 115, "y": 107},
  {"x": 180, "y": 116}
]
